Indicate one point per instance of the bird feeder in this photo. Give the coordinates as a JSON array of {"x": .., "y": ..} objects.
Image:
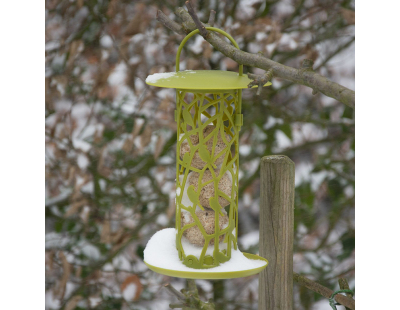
[{"x": 209, "y": 117}]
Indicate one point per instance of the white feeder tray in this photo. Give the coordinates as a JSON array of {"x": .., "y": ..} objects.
[{"x": 161, "y": 256}]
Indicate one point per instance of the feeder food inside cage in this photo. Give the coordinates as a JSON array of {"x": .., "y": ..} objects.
[{"x": 203, "y": 244}]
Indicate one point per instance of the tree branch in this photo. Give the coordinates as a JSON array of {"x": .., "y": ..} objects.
[
  {"x": 189, "y": 298},
  {"x": 170, "y": 24},
  {"x": 300, "y": 76},
  {"x": 195, "y": 18},
  {"x": 324, "y": 291},
  {"x": 260, "y": 80},
  {"x": 211, "y": 19},
  {"x": 178, "y": 294},
  {"x": 344, "y": 285}
]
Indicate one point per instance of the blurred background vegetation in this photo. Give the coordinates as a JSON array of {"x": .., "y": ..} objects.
[{"x": 110, "y": 145}]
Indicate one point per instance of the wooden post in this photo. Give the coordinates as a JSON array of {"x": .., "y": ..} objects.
[{"x": 276, "y": 233}]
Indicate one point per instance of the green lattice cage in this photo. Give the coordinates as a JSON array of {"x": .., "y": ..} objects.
[{"x": 209, "y": 119}]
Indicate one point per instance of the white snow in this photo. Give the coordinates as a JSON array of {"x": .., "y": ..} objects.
[
  {"x": 129, "y": 292},
  {"x": 63, "y": 195},
  {"x": 167, "y": 188},
  {"x": 197, "y": 47},
  {"x": 261, "y": 36},
  {"x": 106, "y": 41},
  {"x": 244, "y": 150},
  {"x": 185, "y": 198},
  {"x": 270, "y": 48},
  {"x": 166, "y": 93},
  {"x": 51, "y": 301},
  {"x": 82, "y": 161},
  {"x": 282, "y": 141},
  {"x": 89, "y": 250},
  {"x": 153, "y": 78},
  {"x": 134, "y": 60},
  {"x": 187, "y": 216},
  {"x": 287, "y": 40},
  {"x": 161, "y": 252},
  {"x": 121, "y": 262},
  {"x": 63, "y": 105},
  {"x": 54, "y": 239},
  {"x": 250, "y": 239},
  {"x": 246, "y": 199},
  {"x": 162, "y": 219},
  {"x": 94, "y": 301},
  {"x": 158, "y": 76},
  {"x": 272, "y": 121},
  {"x": 322, "y": 305},
  {"x": 246, "y": 8},
  {"x": 52, "y": 45},
  {"x": 118, "y": 76}
]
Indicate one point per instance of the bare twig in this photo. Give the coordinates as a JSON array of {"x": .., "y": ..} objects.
[
  {"x": 199, "y": 24},
  {"x": 178, "y": 294},
  {"x": 211, "y": 19},
  {"x": 300, "y": 76},
  {"x": 189, "y": 299},
  {"x": 307, "y": 64},
  {"x": 192, "y": 286},
  {"x": 324, "y": 291},
  {"x": 170, "y": 24},
  {"x": 260, "y": 80}
]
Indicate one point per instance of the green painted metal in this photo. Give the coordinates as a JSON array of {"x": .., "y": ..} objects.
[
  {"x": 207, "y": 81},
  {"x": 178, "y": 54},
  {"x": 212, "y": 275},
  {"x": 196, "y": 111},
  {"x": 204, "y": 98},
  {"x": 204, "y": 80}
]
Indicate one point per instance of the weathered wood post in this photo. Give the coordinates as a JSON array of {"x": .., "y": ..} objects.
[{"x": 276, "y": 233}]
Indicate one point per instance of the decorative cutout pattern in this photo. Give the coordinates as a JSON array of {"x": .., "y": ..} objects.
[{"x": 196, "y": 111}]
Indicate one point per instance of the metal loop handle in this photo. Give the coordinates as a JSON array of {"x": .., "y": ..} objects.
[{"x": 178, "y": 54}]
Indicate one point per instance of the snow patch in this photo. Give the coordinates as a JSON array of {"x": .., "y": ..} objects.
[
  {"x": 163, "y": 242},
  {"x": 197, "y": 47},
  {"x": 82, "y": 161},
  {"x": 250, "y": 239},
  {"x": 106, "y": 41},
  {"x": 154, "y": 78},
  {"x": 129, "y": 292},
  {"x": 244, "y": 150},
  {"x": 118, "y": 75}
]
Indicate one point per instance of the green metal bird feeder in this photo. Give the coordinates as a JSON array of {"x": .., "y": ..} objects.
[{"x": 209, "y": 118}]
